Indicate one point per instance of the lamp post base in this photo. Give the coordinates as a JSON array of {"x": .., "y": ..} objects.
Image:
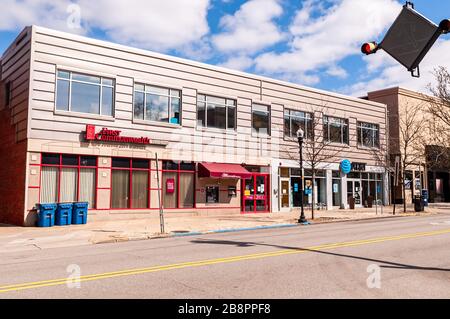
[{"x": 302, "y": 220}]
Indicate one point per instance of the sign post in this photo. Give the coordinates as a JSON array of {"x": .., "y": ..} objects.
[{"x": 161, "y": 209}]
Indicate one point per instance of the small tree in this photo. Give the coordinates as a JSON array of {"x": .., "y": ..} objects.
[
  {"x": 438, "y": 106},
  {"x": 317, "y": 149},
  {"x": 411, "y": 126}
]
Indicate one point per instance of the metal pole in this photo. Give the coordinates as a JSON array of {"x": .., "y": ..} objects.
[
  {"x": 302, "y": 212},
  {"x": 161, "y": 209},
  {"x": 376, "y": 196}
]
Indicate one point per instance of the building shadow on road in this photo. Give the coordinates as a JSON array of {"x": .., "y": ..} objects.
[{"x": 381, "y": 263}]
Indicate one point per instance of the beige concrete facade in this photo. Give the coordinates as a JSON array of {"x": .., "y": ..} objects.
[
  {"x": 398, "y": 101},
  {"x": 48, "y": 130}
]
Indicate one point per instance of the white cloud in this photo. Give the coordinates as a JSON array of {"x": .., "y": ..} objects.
[
  {"x": 321, "y": 42},
  {"x": 251, "y": 28},
  {"x": 337, "y": 71},
  {"x": 394, "y": 74},
  {"x": 15, "y": 15},
  {"x": 241, "y": 63},
  {"x": 151, "y": 24}
]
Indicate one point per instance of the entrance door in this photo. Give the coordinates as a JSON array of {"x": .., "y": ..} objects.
[
  {"x": 296, "y": 191},
  {"x": 285, "y": 202},
  {"x": 354, "y": 190},
  {"x": 255, "y": 197}
]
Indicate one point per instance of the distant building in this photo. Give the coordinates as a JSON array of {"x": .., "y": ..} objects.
[{"x": 428, "y": 172}]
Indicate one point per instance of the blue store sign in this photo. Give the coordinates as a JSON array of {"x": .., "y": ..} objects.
[{"x": 346, "y": 166}]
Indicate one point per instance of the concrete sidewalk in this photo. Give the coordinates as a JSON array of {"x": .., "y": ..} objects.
[{"x": 32, "y": 238}]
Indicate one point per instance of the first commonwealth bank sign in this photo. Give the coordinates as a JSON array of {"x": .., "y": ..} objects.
[{"x": 108, "y": 135}]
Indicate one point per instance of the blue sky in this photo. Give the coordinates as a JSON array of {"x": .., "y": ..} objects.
[{"x": 310, "y": 42}]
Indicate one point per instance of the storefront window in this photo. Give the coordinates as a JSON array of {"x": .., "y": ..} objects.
[
  {"x": 178, "y": 184},
  {"x": 130, "y": 177},
  {"x": 212, "y": 194},
  {"x": 158, "y": 104},
  {"x": 68, "y": 178},
  {"x": 77, "y": 92}
]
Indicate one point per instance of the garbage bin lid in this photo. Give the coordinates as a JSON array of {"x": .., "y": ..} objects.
[{"x": 47, "y": 205}]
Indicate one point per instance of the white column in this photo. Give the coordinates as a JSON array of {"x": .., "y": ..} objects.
[
  {"x": 274, "y": 189},
  {"x": 344, "y": 204},
  {"x": 329, "y": 181},
  {"x": 386, "y": 187}
]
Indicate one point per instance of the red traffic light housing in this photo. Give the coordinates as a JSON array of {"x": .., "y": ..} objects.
[
  {"x": 369, "y": 48},
  {"x": 444, "y": 26}
]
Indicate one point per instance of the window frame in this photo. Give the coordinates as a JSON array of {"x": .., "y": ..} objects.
[
  {"x": 227, "y": 107},
  {"x": 343, "y": 123},
  {"x": 305, "y": 120},
  {"x": 217, "y": 191},
  {"x": 130, "y": 170},
  {"x": 169, "y": 96},
  {"x": 100, "y": 84},
  {"x": 60, "y": 167},
  {"x": 375, "y": 130},
  {"x": 8, "y": 93},
  {"x": 269, "y": 118},
  {"x": 178, "y": 172}
]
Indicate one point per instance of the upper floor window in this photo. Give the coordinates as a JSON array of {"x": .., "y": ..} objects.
[
  {"x": 216, "y": 112},
  {"x": 261, "y": 119},
  {"x": 154, "y": 103},
  {"x": 83, "y": 93},
  {"x": 293, "y": 120},
  {"x": 8, "y": 94},
  {"x": 335, "y": 130},
  {"x": 368, "y": 134}
]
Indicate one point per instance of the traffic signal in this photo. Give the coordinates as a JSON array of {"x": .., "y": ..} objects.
[
  {"x": 369, "y": 48},
  {"x": 444, "y": 26}
]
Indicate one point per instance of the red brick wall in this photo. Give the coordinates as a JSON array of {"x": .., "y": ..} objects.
[{"x": 12, "y": 169}]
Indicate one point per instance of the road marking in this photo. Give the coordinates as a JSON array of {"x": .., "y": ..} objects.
[
  {"x": 137, "y": 271},
  {"x": 447, "y": 222}
]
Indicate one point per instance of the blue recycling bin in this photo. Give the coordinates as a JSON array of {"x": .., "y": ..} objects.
[
  {"x": 79, "y": 213},
  {"x": 46, "y": 215},
  {"x": 63, "y": 214}
]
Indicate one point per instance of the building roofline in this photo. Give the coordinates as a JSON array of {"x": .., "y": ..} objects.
[
  {"x": 210, "y": 67},
  {"x": 13, "y": 43},
  {"x": 400, "y": 91}
]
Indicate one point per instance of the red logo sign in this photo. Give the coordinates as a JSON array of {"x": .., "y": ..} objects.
[
  {"x": 170, "y": 186},
  {"x": 107, "y": 135},
  {"x": 90, "y": 132}
]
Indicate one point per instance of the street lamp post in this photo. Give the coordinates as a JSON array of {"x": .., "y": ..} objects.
[{"x": 300, "y": 135}]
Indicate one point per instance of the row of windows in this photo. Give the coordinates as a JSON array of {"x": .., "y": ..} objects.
[
  {"x": 71, "y": 178},
  {"x": 95, "y": 95}
]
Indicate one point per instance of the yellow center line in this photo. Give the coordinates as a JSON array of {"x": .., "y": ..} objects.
[{"x": 136, "y": 271}]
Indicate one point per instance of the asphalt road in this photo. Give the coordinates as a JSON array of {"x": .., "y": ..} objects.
[{"x": 406, "y": 257}]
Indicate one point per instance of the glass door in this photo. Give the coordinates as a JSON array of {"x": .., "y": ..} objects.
[
  {"x": 256, "y": 194},
  {"x": 249, "y": 194},
  {"x": 354, "y": 190},
  {"x": 296, "y": 191},
  {"x": 357, "y": 192}
]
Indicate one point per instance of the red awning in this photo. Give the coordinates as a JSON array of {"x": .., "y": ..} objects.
[{"x": 217, "y": 170}]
